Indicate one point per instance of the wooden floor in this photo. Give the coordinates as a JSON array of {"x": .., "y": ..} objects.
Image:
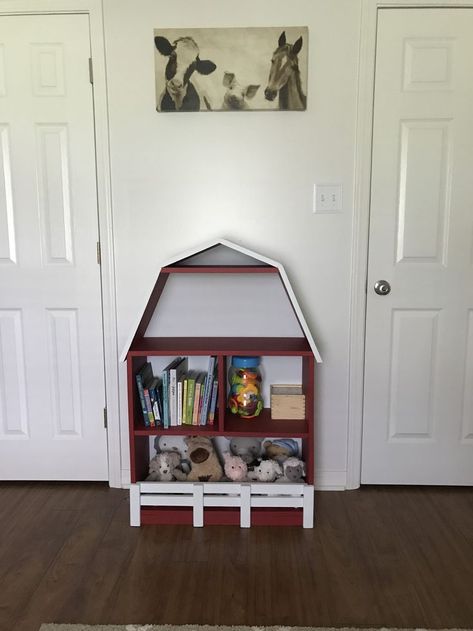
[{"x": 391, "y": 557}]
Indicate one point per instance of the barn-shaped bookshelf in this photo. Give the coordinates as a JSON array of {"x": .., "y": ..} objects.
[{"x": 221, "y": 300}]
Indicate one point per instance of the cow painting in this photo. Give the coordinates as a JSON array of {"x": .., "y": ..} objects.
[{"x": 180, "y": 94}]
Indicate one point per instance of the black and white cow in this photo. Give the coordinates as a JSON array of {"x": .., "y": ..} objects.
[{"x": 180, "y": 93}]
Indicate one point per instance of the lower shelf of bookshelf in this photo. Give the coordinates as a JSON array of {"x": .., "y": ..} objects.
[{"x": 201, "y": 503}]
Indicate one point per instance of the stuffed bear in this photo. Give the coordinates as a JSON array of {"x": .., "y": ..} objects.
[
  {"x": 178, "y": 445},
  {"x": 294, "y": 470},
  {"x": 248, "y": 449},
  {"x": 266, "y": 471},
  {"x": 163, "y": 466},
  {"x": 205, "y": 465},
  {"x": 235, "y": 468},
  {"x": 280, "y": 449}
]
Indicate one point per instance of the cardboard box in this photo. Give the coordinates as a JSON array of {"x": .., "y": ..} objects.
[{"x": 287, "y": 402}]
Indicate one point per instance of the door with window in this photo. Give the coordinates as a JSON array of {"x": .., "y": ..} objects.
[
  {"x": 51, "y": 340},
  {"x": 418, "y": 405}
]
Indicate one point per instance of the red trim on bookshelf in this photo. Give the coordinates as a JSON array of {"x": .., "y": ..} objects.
[
  {"x": 223, "y": 516},
  {"x": 150, "y": 307},
  {"x": 283, "y": 346}
]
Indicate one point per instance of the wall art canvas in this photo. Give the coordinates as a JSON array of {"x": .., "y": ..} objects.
[{"x": 231, "y": 69}]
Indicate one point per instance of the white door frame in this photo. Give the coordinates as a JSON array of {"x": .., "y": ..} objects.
[
  {"x": 361, "y": 201},
  {"x": 93, "y": 8}
]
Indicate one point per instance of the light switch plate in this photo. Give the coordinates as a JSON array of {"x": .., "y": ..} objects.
[{"x": 327, "y": 198}]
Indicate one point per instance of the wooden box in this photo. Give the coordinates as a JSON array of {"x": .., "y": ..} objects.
[{"x": 287, "y": 402}]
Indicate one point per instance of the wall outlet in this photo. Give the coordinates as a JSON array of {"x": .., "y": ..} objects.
[{"x": 327, "y": 198}]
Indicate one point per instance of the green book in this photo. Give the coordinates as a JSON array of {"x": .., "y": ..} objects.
[{"x": 192, "y": 376}]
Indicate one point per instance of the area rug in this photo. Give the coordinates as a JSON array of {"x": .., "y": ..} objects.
[{"x": 206, "y": 627}]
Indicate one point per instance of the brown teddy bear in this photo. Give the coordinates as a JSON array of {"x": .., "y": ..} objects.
[{"x": 205, "y": 465}]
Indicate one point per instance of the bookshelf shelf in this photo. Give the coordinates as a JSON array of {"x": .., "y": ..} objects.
[{"x": 225, "y": 502}]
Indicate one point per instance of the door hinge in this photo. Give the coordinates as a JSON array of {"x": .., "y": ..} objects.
[
  {"x": 99, "y": 253},
  {"x": 105, "y": 420},
  {"x": 91, "y": 71}
]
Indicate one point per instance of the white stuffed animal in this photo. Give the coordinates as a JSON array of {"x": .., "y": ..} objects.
[
  {"x": 266, "y": 471},
  {"x": 175, "y": 444},
  {"x": 163, "y": 466}
]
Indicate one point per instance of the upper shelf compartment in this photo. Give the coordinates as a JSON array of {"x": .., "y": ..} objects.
[{"x": 226, "y": 298}]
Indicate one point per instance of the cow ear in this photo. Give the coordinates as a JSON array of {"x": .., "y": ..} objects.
[
  {"x": 163, "y": 45},
  {"x": 297, "y": 46},
  {"x": 228, "y": 78},
  {"x": 282, "y": 39},
  {"x": 251, "y": 90},
  {"x": 204, "y": 66}
]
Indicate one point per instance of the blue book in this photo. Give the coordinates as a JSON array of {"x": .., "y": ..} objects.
[
  {"x": 142, "y": 377},
  {"x": 155, "y": 401},
  {"x": 207, "y": 391},
  {"x": 213, "y": 402}
]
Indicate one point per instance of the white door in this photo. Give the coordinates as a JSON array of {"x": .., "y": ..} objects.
[
  {"x": 51, "y": 358},
  {"x": 418, "y": 415}
]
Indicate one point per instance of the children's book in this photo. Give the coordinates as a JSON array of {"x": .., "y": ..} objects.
[
  {"x": 207, "y": 391},
  {"x": 184, "y": 399},
  {"x": 175, "y": 373},
  {"x": 143, "y": 376},
  {"x": 191, "y": 377},
  {"x": 155, "y": 401},
  {"x": 199, "y": 382},
  {"x": 180, "y": 399},
  {"x": 166, "y": 393},
  {"x": 213, "y": 402}
]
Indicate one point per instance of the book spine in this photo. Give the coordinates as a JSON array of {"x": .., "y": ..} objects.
[
  {"x": 213, "y": 402},
  {"x": 184, "y": 402},
  {"x": 179, "y": 402},
  {"x": 165, "y": 400},
  {"x": 149, "y": 407},
  {"x": 144, "y": 409},
  {"x": 207, "y": 391},
  {"x": 190, "y": 400},
  {"x": 154, "y": 396},
  {"x": 172, "y": 398},
  {"x": 195, "y": 411}
]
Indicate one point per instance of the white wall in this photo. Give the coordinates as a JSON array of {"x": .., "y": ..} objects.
[{"x": 181, "y": 179}]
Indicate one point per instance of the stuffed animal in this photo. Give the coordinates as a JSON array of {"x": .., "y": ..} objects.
[
  {"x": 235, "y": 468},
  {"x": 266, "y": 471},
  {"x": 281, "y": 449},
  {"x": 176, "y": 444},
  {"x": 248, "y": 449},
  {"x": 205, "y": 465},
  {"x": 163, "y": 466},
  {"x": 294, "y": 470}
]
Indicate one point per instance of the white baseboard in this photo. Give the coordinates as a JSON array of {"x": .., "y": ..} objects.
[{"x": 330, "y": 480}]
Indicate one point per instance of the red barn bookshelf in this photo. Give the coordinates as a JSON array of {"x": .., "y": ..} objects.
[{"x": 226, "y": 502}]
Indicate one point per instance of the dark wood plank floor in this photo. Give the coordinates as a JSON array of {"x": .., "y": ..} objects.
[{"x": 391, "y": 557}]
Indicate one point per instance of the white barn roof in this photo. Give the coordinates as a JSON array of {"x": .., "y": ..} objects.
[{"x": 219, "y": 253}]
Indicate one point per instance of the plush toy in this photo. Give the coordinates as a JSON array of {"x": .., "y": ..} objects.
[
  {"x": 266, "y": 471},
  {"x": 176, "y": 444},
  {"x": 281, "y": 449},
  {"x": 248, "y": 449},
  {"x": 294, "y": 470},
  {"x": 163, "y": 466},
  {"x": 205, "y": 465},
  {"x": 235, "y": 468}
]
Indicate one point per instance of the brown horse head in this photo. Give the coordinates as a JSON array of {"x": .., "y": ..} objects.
[{"x": 284, "y": 64}]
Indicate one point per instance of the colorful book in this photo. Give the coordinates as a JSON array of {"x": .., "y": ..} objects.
[
  {"x": 175, "y": 373},
  {"x": 142, "y": 377},
  {"x": 191, "y": 377},
  {"x": 207, "y": 391},
  {"x": 199, "y": 382},
  {"x": 213, "y": 402},
  {"x": 149, "y": 406},
  {"x": 165, "y": 378},
  {"x": 155, "y": 401},
  {"x": 180, "y": 393},
  {"x": 184, "y": 400}
]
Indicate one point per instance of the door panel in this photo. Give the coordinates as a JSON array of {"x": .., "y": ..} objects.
[
  {"x": 418, "y": 372},
  {"x": 51, "y": 358}
]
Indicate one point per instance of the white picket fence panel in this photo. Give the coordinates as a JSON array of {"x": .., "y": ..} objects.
[{"x": 244, "y": 496}]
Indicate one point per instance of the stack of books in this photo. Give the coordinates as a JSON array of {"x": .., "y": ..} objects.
[{"x": 180, "y": 396}]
